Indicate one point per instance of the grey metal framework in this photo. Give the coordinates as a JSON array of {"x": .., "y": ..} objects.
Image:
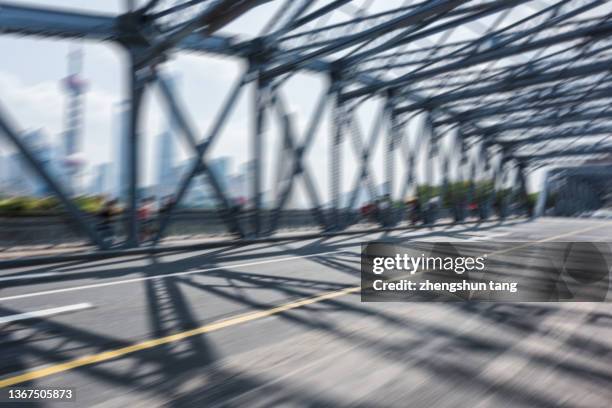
[
  {"x": 577, "y": 190},
  {"x": 516, "y": 83}
]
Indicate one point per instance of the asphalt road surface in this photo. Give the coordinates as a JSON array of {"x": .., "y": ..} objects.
[{"x": 283, "y": 325}]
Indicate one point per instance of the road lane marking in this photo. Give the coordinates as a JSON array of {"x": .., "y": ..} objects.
[
  {"x": 29, "y": 276},
  {"x": 120, "y": 352},
  {"x": 569, "y": 234},
  {"x": 489, "y": 236},
  {"x": 146, "y": 278},
  {"x": 44, "y": 313},
  {"x": 134, "y": 280},
  {"x": 215, "y": 326}
]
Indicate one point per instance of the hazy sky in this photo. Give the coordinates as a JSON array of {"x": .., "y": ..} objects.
[{"x": 30, "y": 89}]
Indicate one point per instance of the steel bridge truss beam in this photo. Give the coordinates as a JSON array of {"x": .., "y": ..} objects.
[
  {"x": 200, "y": 162},
  {"x": 607, "y": 149},
  {"x": 492, "y": 54},
  {"x": 299, "y": 166},
  {"x": 8, "y": 128},
  {"x": 272, "y": 60},
  {"x": 550, "y": 136}
]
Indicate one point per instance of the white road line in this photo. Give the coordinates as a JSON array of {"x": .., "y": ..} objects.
[
  {"x": 120, "y": 282},
  {"x": 490, "y": 236},
  {"x": 30, "y": 276},
  {"x": 44, "y": 313},
  {"x": 134, "y": 280}
]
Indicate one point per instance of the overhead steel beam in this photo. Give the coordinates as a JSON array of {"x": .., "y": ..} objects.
[
  {"x": 488, "y": 9},
  {"x": 213, "y": 18},
  {"x": 23, "y": 20},
  {"x": 340, "y": 25},
  {"x": 412, "y": 17},
  {"x": 552, "y": 135},
  {"x": 565, "y": 153},
  {"x": 597, "y": 30},
  {"x": 55, "y": 23},
  {"x": 463, "y": 48},
  {"x": 523, "y": 81},
  {"x": 512, "y": 74},
  {"x": 328, "y": 8},
  {"x": 548, "y": 121},
  {"x": 500, "y": 38},
  {"x": 518, "y": 106}
]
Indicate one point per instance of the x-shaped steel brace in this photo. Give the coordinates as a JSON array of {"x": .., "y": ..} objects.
[
  {"x": 364, "y": 153},
  {"x": 200, "y": 164},
  {"x": 299, "y": 168},
  {"x": 9, "y": 129}
]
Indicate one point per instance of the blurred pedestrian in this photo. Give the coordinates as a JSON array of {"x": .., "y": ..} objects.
[
  {"x": 145, "y": 218},
  {"x": 105, "y": 225},
  {"x": 166, "y": 204}
]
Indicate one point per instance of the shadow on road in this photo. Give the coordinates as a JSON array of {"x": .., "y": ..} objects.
[{"x": 452, "y": 344}]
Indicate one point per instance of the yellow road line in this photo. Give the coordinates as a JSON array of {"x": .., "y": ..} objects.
[
  {"x": 113, "y": 354},
  {"x": 568, "y": 234},
  {"x": 244, "y": 318}
]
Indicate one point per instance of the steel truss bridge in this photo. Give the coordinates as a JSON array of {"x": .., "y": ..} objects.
[{"x": 500, "y": 87}]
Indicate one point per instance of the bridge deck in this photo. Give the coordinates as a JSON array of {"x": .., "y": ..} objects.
[{"x": 329, "y": 350}]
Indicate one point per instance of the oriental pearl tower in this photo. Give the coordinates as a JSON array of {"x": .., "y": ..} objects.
[{"x": 75, "y": 87}]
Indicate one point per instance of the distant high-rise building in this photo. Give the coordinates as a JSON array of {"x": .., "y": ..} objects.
[
  {"x": 237, "y": 186},
  {"x": 200, "y": 193},
  {"x": 3, "y": 175},
  {"x": 221, "y": 168},
  {"x": 15, "y": 178},
  {"x": 75, "y": 86},
  {"x": 18, "y": 177},
  {"x": 166, "y": 163},
  {"x": 22, "y": 177},
  {"x": 101, "y": 182}
]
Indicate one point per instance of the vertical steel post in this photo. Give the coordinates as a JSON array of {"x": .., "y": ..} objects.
[
  {"x": 540, "y": 208},
  {"x": 505, "y": 192},
  {"x": 338, "y": 123},
  {"x": 392, "y": 137},
  {"x": 523, "y": 195},
  {"x": 471, "y": 196},
  {"x": 388, "y": 159},
  {"x": 489, "y": 182},
  {"x": 429, "y": 170},
  {"x": 445, "y": 192},
  {"x": 466, "y": 186},
  {"x": 409, "y": 157},
  {"x": 495, "y": 184},
  {"x": 137, "y": 85},
  {"x": 430, "y": 182},
  {"x": 261, "y": 95}
]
